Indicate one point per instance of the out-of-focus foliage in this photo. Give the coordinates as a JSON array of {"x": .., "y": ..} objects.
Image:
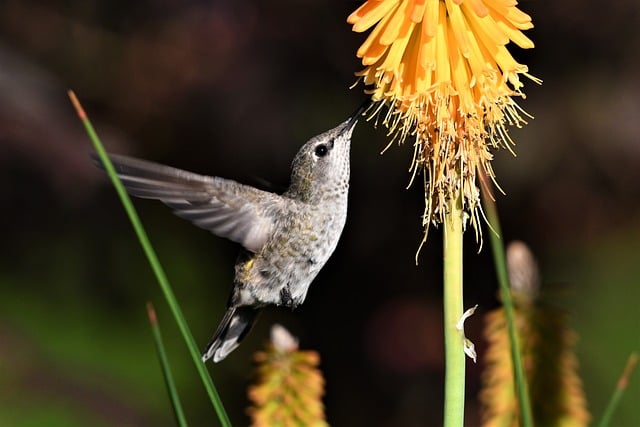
[{"x": 232, "y": 89}]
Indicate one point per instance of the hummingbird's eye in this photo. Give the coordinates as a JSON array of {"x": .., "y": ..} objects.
[{"x": 321, "y": 150}]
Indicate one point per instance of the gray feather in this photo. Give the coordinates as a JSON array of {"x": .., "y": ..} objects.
[
  {"x": 226, "y": 208},
  {"x": 235, "y": 325}
]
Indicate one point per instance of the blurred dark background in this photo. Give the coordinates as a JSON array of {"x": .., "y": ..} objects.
[{"x": 233, "y": 89}]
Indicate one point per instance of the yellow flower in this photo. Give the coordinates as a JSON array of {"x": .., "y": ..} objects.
[
  {"x": 548, "y": 353},
  {"x": 289, "y": 386},
  {"x": 442, "y": 70}
]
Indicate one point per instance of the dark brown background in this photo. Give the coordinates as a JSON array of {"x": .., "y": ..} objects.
[{"x": 232, "y": 89}]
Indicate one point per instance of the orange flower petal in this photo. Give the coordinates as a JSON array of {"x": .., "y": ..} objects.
[{"x": 370, "y": 13}]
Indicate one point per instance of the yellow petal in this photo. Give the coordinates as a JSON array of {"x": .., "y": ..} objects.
[
  {"x": 517, "y": 17},
  {"x": 372, "y": 48},
  {"x": 396, "y": 50},
  {"x": 370, "y": 13},
  {"x": 510, "y": 30},
  {"x": 442, "y": 72},
  {"x": 417, "y": 11},
  {"x": 431, "y": 17},
  {"x": 411, "y": 63},
  {"x": 398, "y": 25},
  {"x": 459, "y": 27},
  {"x": 460, "y": 75},
  {"x": 485, "y": 28},
  {"x": 427, "y": 60},
  {"x": 478, "y": 7},
  {"x": 506, "y": 62},
  {"x": 477, "y": 63}
]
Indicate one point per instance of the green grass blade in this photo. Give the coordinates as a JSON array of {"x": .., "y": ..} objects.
[
  {"x": 623, "y": 382},
  {"x": 166, "y": 369},
  {"x": 499, "y": 258},
  {"x": 155, "y": 264}
]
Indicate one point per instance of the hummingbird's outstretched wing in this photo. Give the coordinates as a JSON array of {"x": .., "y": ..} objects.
[{"x": 228, "y": 209}]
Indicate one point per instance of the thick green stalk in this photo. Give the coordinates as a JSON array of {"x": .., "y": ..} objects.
[
  {"x": 155, "y": 264},
  {"x": 499, "y": 257},
  {"x": 453, "y": 309}
]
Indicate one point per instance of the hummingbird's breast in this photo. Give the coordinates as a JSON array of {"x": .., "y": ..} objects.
[{"x": 282, "y": 271}]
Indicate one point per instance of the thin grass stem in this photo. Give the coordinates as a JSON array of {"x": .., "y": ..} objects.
[
  {"x": 499, "y": 257},
  {"x": 155, "y": 264},
  {"x": 621, "y": 387},
  {"x": 166, "y": 368}
]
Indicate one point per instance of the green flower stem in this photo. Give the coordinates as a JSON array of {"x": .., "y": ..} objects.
[
  {"x": 155, "y": 264},
  {"x": 453, "y": 309},
  {"x": 499, "y": 257},
  {"x": 166, "y": 368}
]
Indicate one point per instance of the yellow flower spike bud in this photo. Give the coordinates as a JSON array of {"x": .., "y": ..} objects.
[
  {"x": 289, "y": 386},
  {"x": 547, "y": 345}
]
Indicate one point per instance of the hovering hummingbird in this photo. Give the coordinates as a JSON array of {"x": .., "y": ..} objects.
[{"x": 286, "y": 239}]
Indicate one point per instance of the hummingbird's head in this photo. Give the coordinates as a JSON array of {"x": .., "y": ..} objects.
[{"x": 321, "y": 167}]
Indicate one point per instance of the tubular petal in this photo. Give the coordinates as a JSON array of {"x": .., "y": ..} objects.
[
  {"x": 431, "y": 17},
  {"x": 478, "y": 7},
  {"x": 398, "y": 25},
  {"x": 370, "y": 13}
]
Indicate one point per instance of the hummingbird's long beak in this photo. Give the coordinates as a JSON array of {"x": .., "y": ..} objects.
[{"x": 351, "y": 122}]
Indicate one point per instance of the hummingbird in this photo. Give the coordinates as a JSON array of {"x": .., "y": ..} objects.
[{"x": 286, "y": 238}]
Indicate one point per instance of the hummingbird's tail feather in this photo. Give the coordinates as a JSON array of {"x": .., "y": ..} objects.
[{"x": 235, "y": 325}]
